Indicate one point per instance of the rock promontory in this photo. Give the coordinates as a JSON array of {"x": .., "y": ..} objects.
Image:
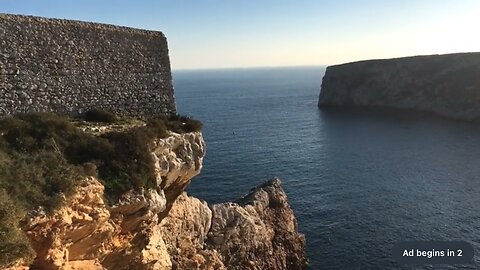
[
  {"x": 158, "y": 226},
  {"x": 446, "y": 85}
]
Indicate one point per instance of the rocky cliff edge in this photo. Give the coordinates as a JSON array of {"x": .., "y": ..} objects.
[{"x": 164, "y": 228}]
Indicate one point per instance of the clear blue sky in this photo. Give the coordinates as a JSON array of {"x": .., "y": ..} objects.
[{"x": 246, "y": 33}]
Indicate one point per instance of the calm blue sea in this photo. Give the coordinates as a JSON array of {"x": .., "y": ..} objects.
[{"x": 359, "y": 181}]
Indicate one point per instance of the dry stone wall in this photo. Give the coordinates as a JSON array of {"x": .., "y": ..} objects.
[{"x": 70, "y": 66}]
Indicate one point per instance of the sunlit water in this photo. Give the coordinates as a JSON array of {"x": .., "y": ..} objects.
[{"x": 359, "y": 181}]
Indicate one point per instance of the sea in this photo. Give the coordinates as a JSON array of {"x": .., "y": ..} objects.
[{"x": 359, "y": 180}]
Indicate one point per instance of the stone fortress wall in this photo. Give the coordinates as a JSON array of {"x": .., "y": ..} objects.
[{"x": 69, "y": 67}]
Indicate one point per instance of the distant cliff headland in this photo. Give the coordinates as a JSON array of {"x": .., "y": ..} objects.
[{"x": 447, "y": 85}]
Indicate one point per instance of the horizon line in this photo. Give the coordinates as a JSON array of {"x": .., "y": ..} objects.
[
  {"x": 248, "y": 67},
  {"x": 323, "y": 65}
]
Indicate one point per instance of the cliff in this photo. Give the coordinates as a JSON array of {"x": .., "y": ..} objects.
[
  {"x": 447, "y": 85},
  {"x": 161, "y": 227}
]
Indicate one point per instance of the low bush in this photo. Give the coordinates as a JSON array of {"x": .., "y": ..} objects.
[
  {"x": 182, "y": 124},
  {"x": 97, "y": 115},
  {"x": 14, "y": 245},
  {"x": 32, "y": 132},
  {"x": 34, "y": 170},
  {"x": 40, "y": 179}
]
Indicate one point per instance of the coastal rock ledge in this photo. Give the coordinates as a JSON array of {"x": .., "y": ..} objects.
[
  {"x": 447, "y": 85},
  {"x": 164, "y": 228}
]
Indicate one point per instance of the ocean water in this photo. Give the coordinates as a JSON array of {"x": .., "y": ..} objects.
[{"x": 358, "y": 180}]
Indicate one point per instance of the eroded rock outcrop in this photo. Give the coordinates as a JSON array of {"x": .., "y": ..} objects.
[
  {"x": 447, "y": 85},
  {"x": 164, "y": 228},
  {"x": 185, "y": 231},
  {"x": 77, "y": 231},
  {"x": 258, "y": 231},
  {"x": 125, "y": 235}
]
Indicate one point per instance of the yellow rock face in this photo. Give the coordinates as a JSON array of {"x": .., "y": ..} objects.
[
  {"x": 163, "y": 228},
  {"x": 88, "y": 234}
]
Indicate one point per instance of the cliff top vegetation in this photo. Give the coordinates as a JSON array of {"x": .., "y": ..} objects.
[{"x": 43, "y": 156}]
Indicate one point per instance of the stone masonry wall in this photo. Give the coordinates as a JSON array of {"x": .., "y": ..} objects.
[{"x": 70, "y": 66}]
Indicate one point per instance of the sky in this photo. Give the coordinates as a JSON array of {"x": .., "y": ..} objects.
[{"x": 256, "y": 33}]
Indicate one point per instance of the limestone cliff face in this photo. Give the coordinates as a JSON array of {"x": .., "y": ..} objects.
[
  {"x": 259, "y": 231},
  {"x": 88, "y": 234},
  {"x": 447, "y": 85},
  {"x": 164, "y": 228}
]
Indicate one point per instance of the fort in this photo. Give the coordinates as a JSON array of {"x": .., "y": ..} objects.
[{"x": 64, "y": 66}]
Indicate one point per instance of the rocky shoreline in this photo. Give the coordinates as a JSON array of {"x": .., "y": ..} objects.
[{"x": 163, "y": 227}]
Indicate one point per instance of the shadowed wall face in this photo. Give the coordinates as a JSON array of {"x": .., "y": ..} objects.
[{"x": 70, "y": 66}]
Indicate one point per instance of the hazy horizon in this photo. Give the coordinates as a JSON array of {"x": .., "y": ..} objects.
[{"x": 217, "y": 34}]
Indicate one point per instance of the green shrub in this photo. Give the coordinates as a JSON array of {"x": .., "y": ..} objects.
[
  {"x": 156, "y": 128},
  {"x": 39, "y": 179},
  {"x": 34, "y": 169},
  {"x": 88, "y": 148},
  {"x": 193, "y": 126},
  {"x": 36, "y": 131},
  {"x": 13, "y": 243},
  {"x": 97, "y": 115},
  {"x": 123, "y": 159},
  {"x": 89, "y": 169},
  {"x": 183, "y": 124},
  {"x": 131, "y": 165}
]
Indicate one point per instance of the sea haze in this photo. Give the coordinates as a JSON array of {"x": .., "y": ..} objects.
[{"x": 359, "y": 181}]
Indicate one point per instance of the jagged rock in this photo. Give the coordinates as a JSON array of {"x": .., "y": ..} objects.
[
  {"x": 185, "y": 230},
  {"x": 258, "y": 231},
  {"x": 198, "y": 215},
  {"x": 447, "y": 85},
  {"x": 146, "y": 250},
  {"x": 74, "y": 232},
  {"x": 176, "y": 163}
]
